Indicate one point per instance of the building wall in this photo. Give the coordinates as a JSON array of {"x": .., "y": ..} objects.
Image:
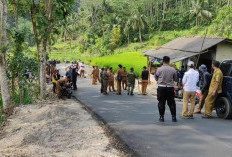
[{"x": 224, "y": 51}]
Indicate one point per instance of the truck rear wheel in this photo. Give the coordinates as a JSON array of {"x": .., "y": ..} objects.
[{"x": 223, "y": 108}]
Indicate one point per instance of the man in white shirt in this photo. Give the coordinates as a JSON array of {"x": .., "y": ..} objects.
[
  {"x": 82, "y": 68},
  {"x": 190, "y": 79}
]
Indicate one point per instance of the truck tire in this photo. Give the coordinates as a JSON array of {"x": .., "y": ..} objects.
[{"x": 223, "y": 108}]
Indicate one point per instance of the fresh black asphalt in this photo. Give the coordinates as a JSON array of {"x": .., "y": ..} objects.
[{"x": 135, "y": 120}]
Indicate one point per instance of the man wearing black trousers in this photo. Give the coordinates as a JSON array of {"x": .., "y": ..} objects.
[
  {"x": 74, "y": 79},
  {"x": 165, "y": 77}
]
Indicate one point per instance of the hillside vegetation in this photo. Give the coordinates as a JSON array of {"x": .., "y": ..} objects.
[{"x": 111, "y": 27}]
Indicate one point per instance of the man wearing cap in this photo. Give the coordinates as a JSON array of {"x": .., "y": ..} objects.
[
  {"x": 214, "y": 89},
  {"x": 165, "y": 77},
  {"x": 206, "y": 78},
  {"x": 190, "y": 80}
]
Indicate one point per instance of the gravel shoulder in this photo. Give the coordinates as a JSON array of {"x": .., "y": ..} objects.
[{"x": 58, "y": 128}]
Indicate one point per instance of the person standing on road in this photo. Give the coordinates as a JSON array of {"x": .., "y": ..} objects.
[
  {"x": 94, "y": 81},
  {"x": 214, "y": 89},
  {"x": 69, "y": 72},
  {"x": 180, "y": 75},
  {"x": 82, "y": 68},
  {"x": 101, "y": 77},
  {"x": 74, "y": 78},
  {"x": 119, "y": 79},
  {"x": 55, "y": 78},
  {"x": 190, "y": 80},
  {"x": 111, "y": 80},
  {"x": 145, "y": 79},
  {"x": 165, "y": 77},
  {"x": 131, "y": 81},
  {"x": 97, "y": 74},
  {"x": 124, "y": 80},
  {"x": 105, "y": 80},
  {"x": 206, "y": 79}
]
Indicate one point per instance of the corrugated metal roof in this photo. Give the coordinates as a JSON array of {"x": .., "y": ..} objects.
[
  {"x": 185, "y": 47},
  {"x": 192, "y": 44},
  {"x": 175, "y": 55}
]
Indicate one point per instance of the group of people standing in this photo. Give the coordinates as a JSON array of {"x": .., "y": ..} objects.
[
  {"x": 70, "y": 79},
  {"x": 125, "y": 80},
  {"x": 166, "y": 76}
]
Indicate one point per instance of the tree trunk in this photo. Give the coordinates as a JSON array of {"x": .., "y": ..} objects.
[
  {"x": 164, "y": 8},
  {"x": 34, "y": 25},
  {"x": 71, "y": 45},
  {"x": 140, "y": 35},
  {"x": 65, "y": 46},
  {"x": 128, "y": 38},
  {"x": 3, "y": 79},
  {"x": 16, "y": 13},
  {"x": 42, "y": 70},
  {"x": 229, "y": 3}
]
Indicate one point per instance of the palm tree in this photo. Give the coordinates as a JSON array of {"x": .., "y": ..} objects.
[
  {"x": 94, "y": 14},
  {"x": 138, "y": 22},
  {"x": 199, "y": 11}
]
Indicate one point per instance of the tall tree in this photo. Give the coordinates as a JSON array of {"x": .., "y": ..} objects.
[
  {"x": 138, "y": 22},
  {"x": 199, "y": 11},
  {"x": 3, "y": 49}
]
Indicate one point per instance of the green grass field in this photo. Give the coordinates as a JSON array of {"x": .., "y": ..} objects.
[
  {"x": 130, "y": 59},
  {"x": 128, "y": 55}
]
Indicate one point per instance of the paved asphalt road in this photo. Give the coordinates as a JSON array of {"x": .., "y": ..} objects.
[{"x": 135, "y": 120}]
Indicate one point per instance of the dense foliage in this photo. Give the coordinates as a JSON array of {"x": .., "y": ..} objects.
[{"x": 138, "y": 20}]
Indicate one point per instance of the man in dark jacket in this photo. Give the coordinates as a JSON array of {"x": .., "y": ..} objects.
[
  {"x": 74, "y": 79},
  {"x": 206, "y": 79},
  {"x": 101, "y": 77}
]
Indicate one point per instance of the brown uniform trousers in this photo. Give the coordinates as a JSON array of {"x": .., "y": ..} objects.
[
  {"x": 59, "y": 84},
  {"x": 144, "y": 86},
  {"x": 94, "y": 79},
  {"x": 111, "y": 81},
  {"x": 124, "y": 80},
  {"x": 119, "y": 83},
  {"x": 210, "y": 100},
  {"x": 192, "y": 97}
]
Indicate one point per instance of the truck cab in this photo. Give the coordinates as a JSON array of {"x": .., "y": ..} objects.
[{"x": 223, "y": 104}]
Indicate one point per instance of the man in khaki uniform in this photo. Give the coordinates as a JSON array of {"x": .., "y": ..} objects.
[
  {"x": 124, "y": 80},
  {"x": 94, "y": 81},
  {"x": 97, "y": 74},
  {"x": 214, "y": 89},
  {"x": 105, "y": 80},
  {"x": 119, "y": 79}
]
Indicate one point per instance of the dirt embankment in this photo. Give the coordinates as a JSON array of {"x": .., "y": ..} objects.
[{"x": 54, "y": 129}]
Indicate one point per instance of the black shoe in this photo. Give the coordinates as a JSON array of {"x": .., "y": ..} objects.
[
  {"x": 131, "y": 94},
  {"x": 206, "y": 117},
  {"x": 174, "y": 119},
  {"x": 190, "y": 117},
  {"x": 161, "y": 119},
  {"x": 128, "y": 94}
]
